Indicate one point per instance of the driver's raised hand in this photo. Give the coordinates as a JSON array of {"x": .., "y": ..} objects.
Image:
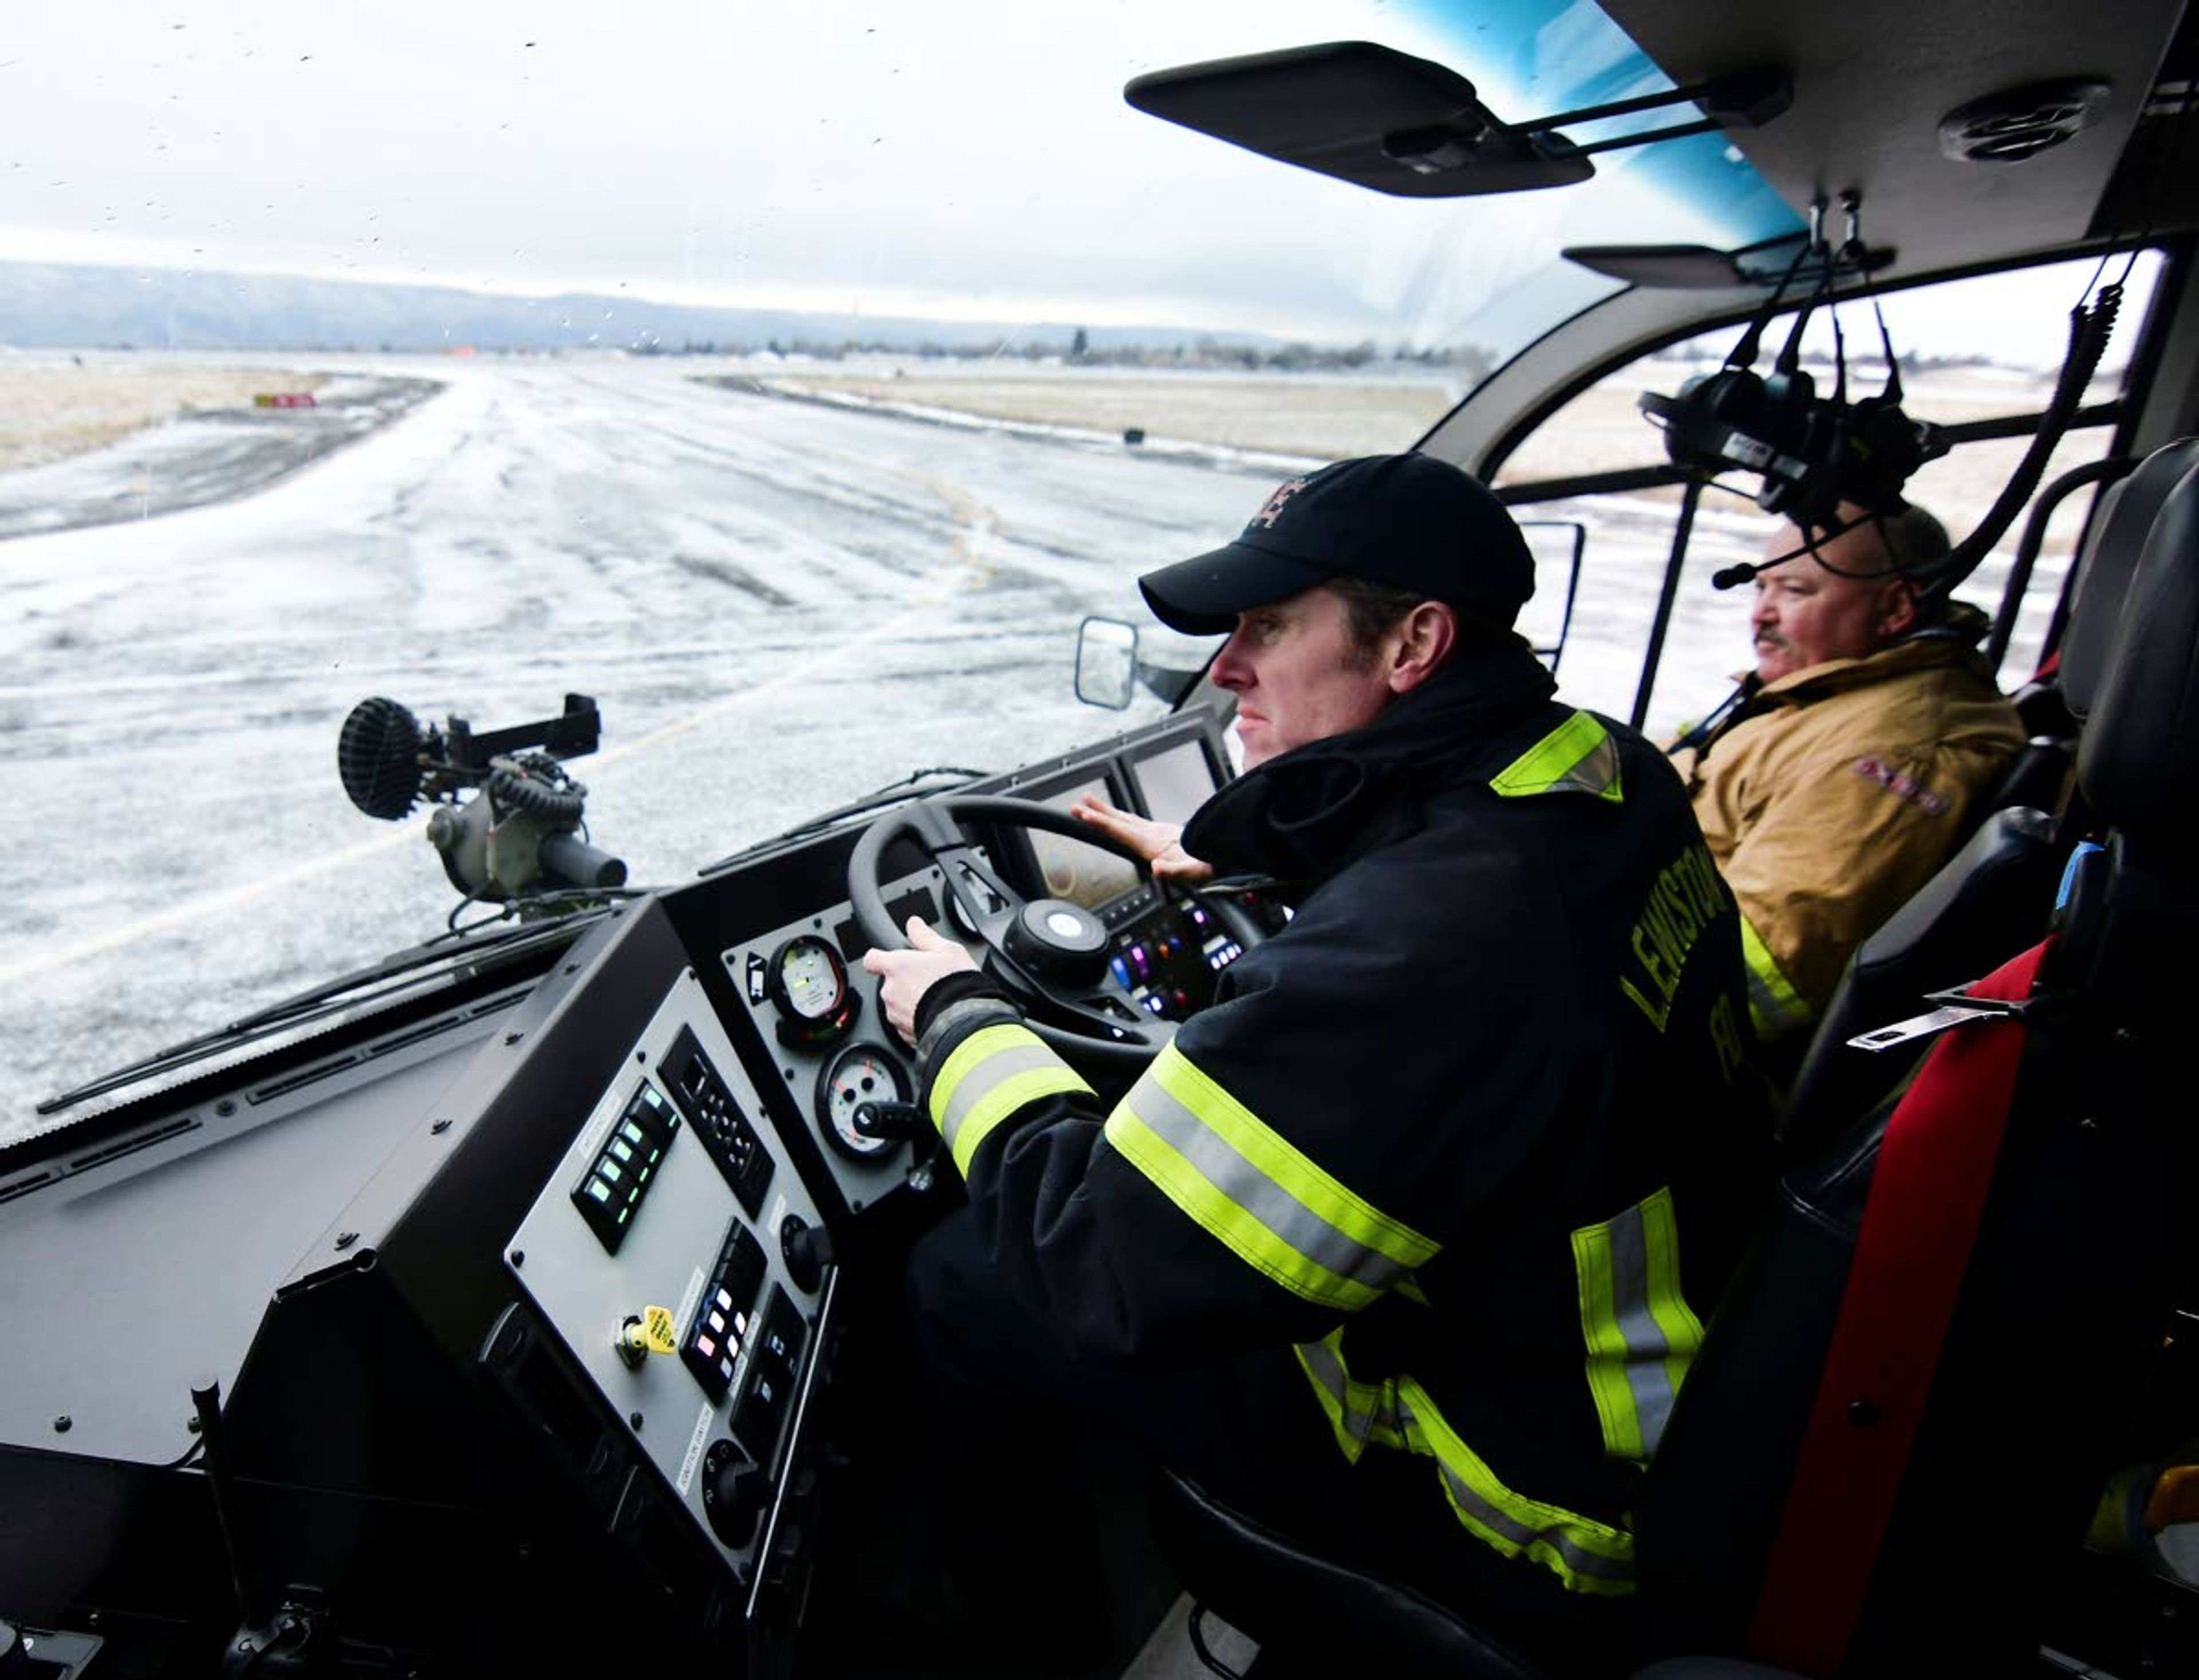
[
  {"x": 906, "y": 976},
  {"x": 1161, "y": 845}
]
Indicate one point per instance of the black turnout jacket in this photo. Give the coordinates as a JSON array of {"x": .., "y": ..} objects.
[{"x": 1473, "y": 1133}]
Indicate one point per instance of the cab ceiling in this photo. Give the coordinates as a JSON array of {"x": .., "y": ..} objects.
[{"x": 1872, "y": 78}]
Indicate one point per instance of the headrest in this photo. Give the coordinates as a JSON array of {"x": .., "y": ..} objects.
[
  {"x": 2138, "y": 760},
  {"x": 2104, "y": 570}
]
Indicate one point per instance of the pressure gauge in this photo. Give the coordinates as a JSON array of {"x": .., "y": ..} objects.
[
  {"x": 808, "y": 981},
  {"x": 859, "y": 1074}
]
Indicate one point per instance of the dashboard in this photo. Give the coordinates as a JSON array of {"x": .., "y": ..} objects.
[
  {"x": 603, "y": 1207},
  {"x": 773, "y": 1056},
  {"x": 834, "y": 1062}
]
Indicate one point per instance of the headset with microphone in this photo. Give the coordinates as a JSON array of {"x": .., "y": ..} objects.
[
  {"x": 1811, "y": 452},
  {"x": 1816, "y": 454}
]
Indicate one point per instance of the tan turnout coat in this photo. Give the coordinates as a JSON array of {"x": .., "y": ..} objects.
[{"x": 1834, "y": 794}]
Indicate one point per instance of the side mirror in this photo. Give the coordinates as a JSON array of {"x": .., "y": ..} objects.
[
  {"x": 1106, "y": 662},
  {"x": 1109, "y": 670}
]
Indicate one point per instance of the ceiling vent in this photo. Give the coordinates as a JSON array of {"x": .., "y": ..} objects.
[{"x": 2018, "y": 123}]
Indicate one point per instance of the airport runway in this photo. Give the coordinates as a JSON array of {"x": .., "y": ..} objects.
[{"x": 778, "y": 606}]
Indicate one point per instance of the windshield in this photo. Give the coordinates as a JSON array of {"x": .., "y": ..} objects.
[{"x": 790, "y": 381}]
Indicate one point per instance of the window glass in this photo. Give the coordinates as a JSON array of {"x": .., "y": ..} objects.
[{"x": 1975, "y": 349}]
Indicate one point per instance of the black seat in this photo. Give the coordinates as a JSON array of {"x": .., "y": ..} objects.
[
  {"x": 2080, "y": 1260},
  {"x": 2035, "y": 1389},
  {"x": 1998, "y": 886},
  {"x": 1321, "y": 1611},
  {"x": 2127, "y": 511},
  {"x": 1957, "y": 927},
  {"x": 2054, "y": 704}
]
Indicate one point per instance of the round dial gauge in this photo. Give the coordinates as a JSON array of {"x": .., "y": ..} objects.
[
  {"x": 809, "y": 983},
  {"x": 861, "y": 1073}
]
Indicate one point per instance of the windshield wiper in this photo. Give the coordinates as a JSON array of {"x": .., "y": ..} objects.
[
  {"x": 893, "y": 793},
  {"x": 405, "y": 967}
]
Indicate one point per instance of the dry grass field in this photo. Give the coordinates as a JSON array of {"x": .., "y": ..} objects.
[
  {"x": 55, "y": 406},
  {"x": 1321, "y": 416}
]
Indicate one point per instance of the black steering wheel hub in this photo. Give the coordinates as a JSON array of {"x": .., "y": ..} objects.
[
  {"x": 1057, "y": 940},
  {"x": 1051, "y": 954}
]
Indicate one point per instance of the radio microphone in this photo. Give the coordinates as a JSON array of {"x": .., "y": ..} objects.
[{"x": 1730, "y": 576}]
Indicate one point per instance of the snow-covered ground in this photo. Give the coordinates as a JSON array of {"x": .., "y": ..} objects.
[{"x": 777, "y": 605}]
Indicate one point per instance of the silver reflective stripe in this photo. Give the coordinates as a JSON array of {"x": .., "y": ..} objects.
[
  {"x": 1586, "y": 1555},
  {"x": 1577, "y": 1559},
  {"x": 1648, "y": 1376},
  {"x": 1326, "y": 1369},
  {"x": 1596, "y": 773},
  {"x": 1242, "y": 1182},
  {"x": 1577, "y": 756},
  {"x": 986, "y": 1077}
]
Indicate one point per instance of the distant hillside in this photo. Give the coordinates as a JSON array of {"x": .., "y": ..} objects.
[{"x": 51, "y": 306}]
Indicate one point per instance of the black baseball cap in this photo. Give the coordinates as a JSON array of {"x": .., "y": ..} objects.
[{"x": 1409, "y": 520}]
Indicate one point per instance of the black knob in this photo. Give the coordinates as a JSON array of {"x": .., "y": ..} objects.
[
  {"x": 734, "y": 1494},
  {"x": 897, "y": 1122},
  {"x": 806, "y": 1249}
]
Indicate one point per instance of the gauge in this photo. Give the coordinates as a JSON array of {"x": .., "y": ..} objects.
[
  {"x": 808, "y": 981},
  {"x": 861, "y": 1073}
]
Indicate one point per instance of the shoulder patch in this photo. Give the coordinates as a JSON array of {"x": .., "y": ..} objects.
[{"x": 1901, "y": 784}]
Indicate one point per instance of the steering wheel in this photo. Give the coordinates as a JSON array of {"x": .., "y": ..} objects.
[{"x": 1047, "y": 951}]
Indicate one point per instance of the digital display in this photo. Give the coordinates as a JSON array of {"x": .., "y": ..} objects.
[
  {"x": 1175, "y": 783},
  {"x": 1169, "y": 962},
  {"x": 1072, "y": 869}
]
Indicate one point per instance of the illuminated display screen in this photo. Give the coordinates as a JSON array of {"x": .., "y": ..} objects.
[
  {"x": 1175, "y": 783},
  {"x": 1083, "y": 874}
]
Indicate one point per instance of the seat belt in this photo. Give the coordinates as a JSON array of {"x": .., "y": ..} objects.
[{"x": 1927, "y": 1195}]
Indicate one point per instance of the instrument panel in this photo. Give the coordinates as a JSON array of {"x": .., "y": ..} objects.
[
  {"x": 583, "y": 1201},
  {"x": 847, "y": 1073},
  {"x": 682, "y": 1263}
]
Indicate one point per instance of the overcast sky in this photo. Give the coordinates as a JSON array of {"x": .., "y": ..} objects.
[
  {"x": 969, "y": 157},
  {"x": 959, "y": 158}
]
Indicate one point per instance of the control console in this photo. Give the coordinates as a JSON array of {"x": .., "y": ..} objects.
[
  {"x": 847, "y": 1073},
  {"x": 677, "y": 1256}
]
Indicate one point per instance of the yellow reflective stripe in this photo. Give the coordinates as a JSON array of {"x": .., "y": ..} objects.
[
  {"x": 1324, "y": 1368},
  {"x": 1410, "y": 1289},
  {"x": 1641, "y": 1334},
  {"x": 1588, "y": 1556},
  {"x": 1774, "y": 1006},
  {"x": 988, "y": 1077},
  {"x": 1577, "y": 756},
  {"x": 1240, "y": 1182},
  {"x": 1358, "y": 1412}
]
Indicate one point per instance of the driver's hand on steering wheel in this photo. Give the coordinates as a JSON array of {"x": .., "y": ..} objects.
[
  {"x": 906, "y": 976},
  {"x": 1161, "y": 845}
]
